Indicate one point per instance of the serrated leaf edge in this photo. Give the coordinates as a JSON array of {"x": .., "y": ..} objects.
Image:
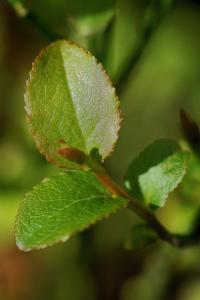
[
  {"x": 115, "y": 98},
  {"x": 67, "y": 236}
]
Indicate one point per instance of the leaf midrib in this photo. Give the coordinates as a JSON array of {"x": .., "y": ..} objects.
[{"x": 72, "y": 102}]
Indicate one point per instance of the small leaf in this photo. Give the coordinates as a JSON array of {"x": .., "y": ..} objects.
[
  {"x": 69, "y": 99},
  {"x": 61, "y": 206},
  {"x": 140, "y": 236},
  {"x": 156, "y": 172}
]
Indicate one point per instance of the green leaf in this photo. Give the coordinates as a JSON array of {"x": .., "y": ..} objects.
[
  {"x": 140, "y": 236},
  {"x": 71, "y": 103},
  {"x": 156, "y": 172},
  {"x": 61, "y": 206}
]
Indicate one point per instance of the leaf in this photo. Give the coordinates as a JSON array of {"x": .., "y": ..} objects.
[
  {"x": 140, "y": 236},
  {"x": 156, "y": 172},
  {"x": 69, "y": 99},
  {"x": 61, "y": 206}
]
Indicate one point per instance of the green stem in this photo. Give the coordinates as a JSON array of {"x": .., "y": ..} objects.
[
  {"x": 42, "y": 28},
  {"x": 153, "y": 16},
  {"x": 23, "y": 12}
]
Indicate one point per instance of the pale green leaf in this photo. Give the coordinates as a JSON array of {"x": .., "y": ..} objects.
[
  {"x": 156, "y": 172},
  {"x": 140, "y": 236},
  {"x": 71, "y": 102},
  {"x": 61, "y": 206}
]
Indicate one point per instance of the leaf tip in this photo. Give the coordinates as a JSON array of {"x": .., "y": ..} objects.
[{"x": 20, "y": 245}]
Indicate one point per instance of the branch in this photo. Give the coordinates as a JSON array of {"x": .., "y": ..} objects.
[
  {"x": 153, "y": 17},
  {"x": 25, "y": 13},
  {"x": 51, "y": 36},
  {"x": 147, "y": 215}
]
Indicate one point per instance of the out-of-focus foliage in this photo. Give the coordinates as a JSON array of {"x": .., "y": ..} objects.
[
  {"x": 140, "y": 236},
  {"x": 190, "y": 189},
  {"x": 95, "y": 265},
  {"x": 68, "y": 17},
  {"x": 9, "y": 203}
]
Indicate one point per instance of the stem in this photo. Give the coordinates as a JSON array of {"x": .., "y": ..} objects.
[
  {"x": 42, "y": 28},
  {"x": 146, "y": 214},
  {"x": 153, "y": 16},
  {"x": 23, "y": 12}
]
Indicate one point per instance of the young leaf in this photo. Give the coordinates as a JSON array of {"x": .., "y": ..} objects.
[
  {"x": 61, "y": 206},
  {"x": 70, "y": 100},
  {"x": 156, "y": 172},
  {"x": 140, "y": 236}
]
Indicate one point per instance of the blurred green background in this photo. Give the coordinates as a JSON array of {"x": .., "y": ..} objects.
[{"x": 94, "y": 265}]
